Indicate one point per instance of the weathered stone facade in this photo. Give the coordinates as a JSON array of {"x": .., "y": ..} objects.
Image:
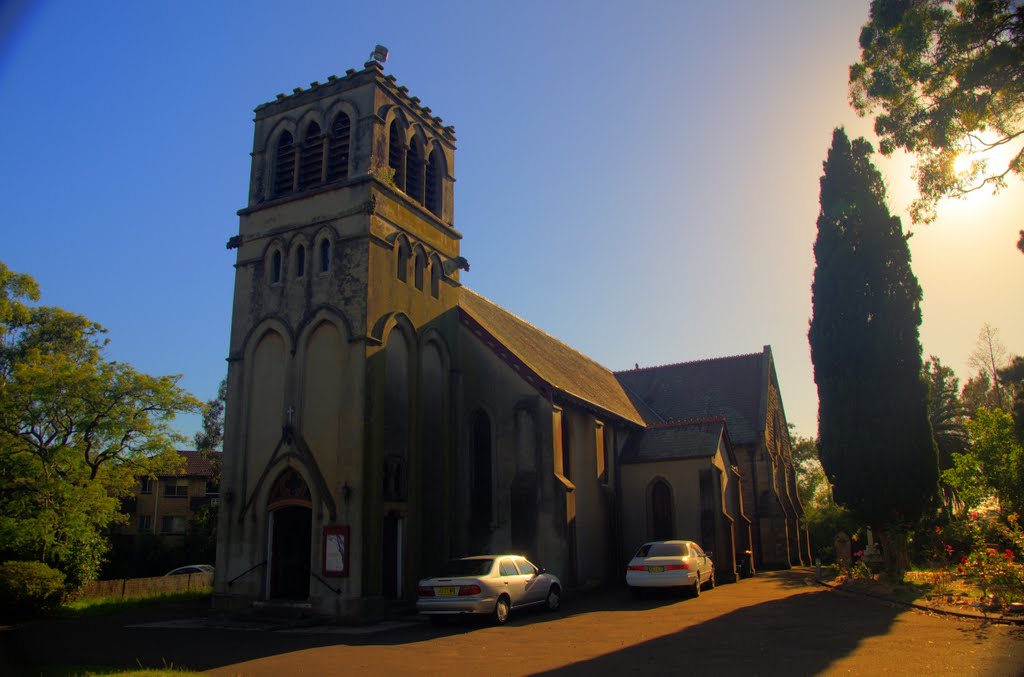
[{"x": 381, "y": 418}]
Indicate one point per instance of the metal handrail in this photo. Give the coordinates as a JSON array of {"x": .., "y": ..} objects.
[
  {"x": 257, "y": 566},
  {"x": 336, "y": 591}
]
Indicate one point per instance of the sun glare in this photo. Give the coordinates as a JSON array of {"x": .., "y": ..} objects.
[{"x": 964, "y": 161}]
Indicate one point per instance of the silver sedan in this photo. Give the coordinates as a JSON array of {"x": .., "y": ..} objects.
[{"x": 487, "y": 584}]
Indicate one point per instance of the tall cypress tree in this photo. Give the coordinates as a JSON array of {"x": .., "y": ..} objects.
[{"x": 875, "y": 438}]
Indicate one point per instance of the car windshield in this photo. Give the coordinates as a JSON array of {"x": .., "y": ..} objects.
[
  {"x": 466, "y": 567},
  {"x": 667, "y": 550}
]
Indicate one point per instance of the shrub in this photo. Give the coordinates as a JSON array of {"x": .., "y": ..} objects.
[{"x": 29, "y": 588}]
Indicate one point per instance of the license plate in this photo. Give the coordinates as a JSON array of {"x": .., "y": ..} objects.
[
  {"x": 446, "y": 591},
  {"x": 655, "y": 570}
]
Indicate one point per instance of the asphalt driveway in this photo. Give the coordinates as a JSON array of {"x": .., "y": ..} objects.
[{"x": 779, "y": 623}]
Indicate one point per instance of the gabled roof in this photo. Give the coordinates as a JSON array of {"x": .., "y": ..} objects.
[
  {"x": 196, "y": 463},
  {"x": 549, "y": 361},
  {"x": 677, "y": 440},
  {"x": 733, "y": 387}
]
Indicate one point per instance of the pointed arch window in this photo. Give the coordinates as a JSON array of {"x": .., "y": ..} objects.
[
  {"x": 284, "y": 165},
  {"x": 435, "y": 276},
  {"x": 402, "y": 260},
  {"x": 275, "y": 268},
  {"x": 300, "y": 261},
  {"x": 337, "y": 155},
  {"x": 661, "y": 511},
  {"x": 325, "y": 255},
  {"x": 419, "y": 266},
  {"x": 311, "y": 163},
  {"x": 432, "y": 189},
  {"x": 414, "y": 171},
  {"x": 396, "y": 154}
]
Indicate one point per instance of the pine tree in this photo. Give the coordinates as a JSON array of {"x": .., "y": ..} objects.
[{"x": 875, "y": 438}]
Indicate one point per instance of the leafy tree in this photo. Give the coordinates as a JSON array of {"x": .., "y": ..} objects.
[
  {"x": 947, "y": 79},
  {"x": 76, "y": 430},
  {"x": 946, "y": 412},
  {"x": 211, "y": 437},
  {"x": 873, "y": 432},
  {"x": 1013, "y": 377},
  {"x": 993, "y": 465}
]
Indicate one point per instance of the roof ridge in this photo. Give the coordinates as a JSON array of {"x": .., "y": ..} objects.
[
  {"x": 688, "y": 362},
  {"x": 538, "y": 329},
  {"x": 688, "y": 422}
]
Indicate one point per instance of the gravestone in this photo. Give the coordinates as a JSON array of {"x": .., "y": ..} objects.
[{"x": 843, "y": 550}]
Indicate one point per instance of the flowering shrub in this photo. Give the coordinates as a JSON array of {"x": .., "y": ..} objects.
[{"x": 997, "y": 572}]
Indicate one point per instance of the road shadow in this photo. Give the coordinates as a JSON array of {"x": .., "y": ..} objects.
[{"x": 800, "y": 635}]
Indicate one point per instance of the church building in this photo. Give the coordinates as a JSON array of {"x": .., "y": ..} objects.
[{"x": 382, "y": 418}]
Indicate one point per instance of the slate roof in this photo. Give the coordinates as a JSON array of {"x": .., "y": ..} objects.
[
  {"x": 675, "y": 441},
  {"x": 556, "y": 364},
  {"x": 732, "y": 387}
]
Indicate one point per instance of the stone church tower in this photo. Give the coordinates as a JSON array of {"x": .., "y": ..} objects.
[{"x": 338, "y": 460}]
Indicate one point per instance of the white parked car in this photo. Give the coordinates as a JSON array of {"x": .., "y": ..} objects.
[
  {"x": 670, "y": 564},
  {"x": 487, "y": 584}
]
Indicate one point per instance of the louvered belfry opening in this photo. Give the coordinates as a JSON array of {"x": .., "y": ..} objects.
[
  {"x": 396, "y": 154},
  {"x": 284, "y": 167},
  {"x": 337, "y": 157},
  {"x": 431, "y": 198},
  {"x": 414, "y": 172},
  {"x": 312, "y": 160}
]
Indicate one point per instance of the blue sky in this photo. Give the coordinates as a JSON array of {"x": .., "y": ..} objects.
[{"x": 638, "y": 179}]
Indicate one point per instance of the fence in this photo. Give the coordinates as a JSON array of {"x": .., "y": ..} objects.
[{"x": 144, "y": 587}]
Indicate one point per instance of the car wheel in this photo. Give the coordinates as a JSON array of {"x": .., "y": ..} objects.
[
  {"x": 501, "y": 610},
  {"x": 554, "y": 600},
  {"x": 696, "y": 587},
  {"x": 711, "y": 581}
]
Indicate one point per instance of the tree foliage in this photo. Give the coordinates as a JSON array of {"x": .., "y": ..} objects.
[
  {"x": 946, "y": 78},
  {"x": 76, "y": 430},
  {"x": 874, "y": 436},
  {"x": 993, "y": 465}
]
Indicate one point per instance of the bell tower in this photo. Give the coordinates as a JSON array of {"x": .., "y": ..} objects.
[{"x": 344, "y": 321}]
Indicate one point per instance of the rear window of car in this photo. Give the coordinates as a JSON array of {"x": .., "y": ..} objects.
[
  {"x": 466, "y": 567},
  {"x": 667, "y": 550}
]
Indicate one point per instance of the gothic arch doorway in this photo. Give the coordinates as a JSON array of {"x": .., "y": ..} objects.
[{"x": 290, "y": 527}]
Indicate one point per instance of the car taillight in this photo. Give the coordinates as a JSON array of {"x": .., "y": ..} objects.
[
  {"x": 636, "y": 567},
  {"x": 677, "y": 567},
  {"x": 469, "y": 590},
  {"x": 425, "y": 591}
]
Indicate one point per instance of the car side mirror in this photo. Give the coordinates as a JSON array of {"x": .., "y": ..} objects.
[{"x": 709, "y": 554}]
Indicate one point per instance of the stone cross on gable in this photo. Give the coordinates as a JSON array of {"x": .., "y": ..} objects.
[{"x": 290, "y": 412}]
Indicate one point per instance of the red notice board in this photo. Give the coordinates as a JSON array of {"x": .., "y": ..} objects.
[{"x": 336, "y": 548}]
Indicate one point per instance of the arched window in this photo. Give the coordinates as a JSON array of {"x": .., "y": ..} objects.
[
  {"x": 661, "y": 511},
  {"x": 566, "y": 446},
  {"x": 402, "y": 260},
  {"x": 284, "y": 165},
  {"x": 275, "y": 268},
  {"x": 311, "y": 164},
  {"x": 300, "y": 261},
  {"x": 419, "y": 265},
  {"x": 432, "y": 195},
  {"x": 414, "y": 171},
  {"x": 325, "y": 255},
  {"x": 396, "y": 154},
  {"x": 481, "y": 487},
  {"x": 337, "y": 155},
  {"x": 435, "y": 276}
]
